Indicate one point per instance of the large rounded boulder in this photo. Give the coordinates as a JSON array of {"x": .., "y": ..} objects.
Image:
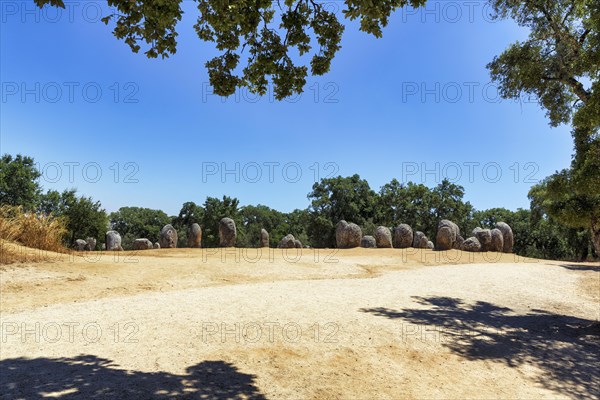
[
  {"x": 90, "y": 243},
  {"x": 383, "y": 237},
  {"x": 227, "y": 232},
  {"x": 445, "y": 238},
  {"x": 484, "y": 236},
  {"x": 347, "y": 235},
  {"x": 471, "y": 244},
  {"x": 368, "y": 242},
  {"x": 142, "y": 244},
  {"x": 168, "y": 237},
  {"x": 458, "y": 243},
  {"x": 403, "y": 236},
  {"x": 79, "y": 245},
  {"x": 264, "y": 238},
  {"x": 113, "y": 241},
  {"x": 156, "y": 246},
  {"x": 447, "y": 234},
  {"x": 420, "y": 241},
  {"x": 497, "y": 243},
  {"x": 194, "y": 236},
  {"x": 507, "y": 236},
  {"x": 288, "y": 242}
]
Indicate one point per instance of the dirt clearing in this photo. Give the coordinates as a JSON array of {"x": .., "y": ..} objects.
[{"x": 326, "y": 324}]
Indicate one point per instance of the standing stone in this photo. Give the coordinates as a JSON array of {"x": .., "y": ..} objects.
[
  {"x": 447, "y": 234},
  {"x": 430, "y": 245},
  {"x": 288, "y": 242},
  {"x": 227, "y": 232},
  {"x": 156, "y": 245},
  {"x": 297, "y": 244},
  {"x": 383, "y": 237},
  {"x": 79, "y": 245},
  {"x": 194, "y": 236},
  {"x": 264, "y": 238},
  {"x": 507, "y": 237},
  {"x": 471, "y": 244},
  {"x": 458, "y": 243},
  {"x": 90, "y": 244},
  {"x": 368, "y": 242},
  {"x": 403, "y": 236},
  {"x": 445, "y": 238},
  {"x": 420, "y": 240},
  {"x": 142, "y": 244},
  {"x": 347, "y": 235},
  {"x": 497, "y": 243},
  {"x": 340, "y": 234},
  {"x": 113, "y": 241},
  {"x": 168, "y": 237},
  {"x": 484, "y": 236}
]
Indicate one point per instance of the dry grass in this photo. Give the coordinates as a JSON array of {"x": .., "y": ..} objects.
[{"x": 37, "y": 231}]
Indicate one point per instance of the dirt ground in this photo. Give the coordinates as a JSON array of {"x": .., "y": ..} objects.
[{"x": 320, "y": 324}]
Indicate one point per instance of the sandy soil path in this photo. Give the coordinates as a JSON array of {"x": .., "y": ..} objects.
[{"x": 358, "y": 324}]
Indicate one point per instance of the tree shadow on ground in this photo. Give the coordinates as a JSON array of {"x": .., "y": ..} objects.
[
  {"x": 581, "y": 267},
  {"x": 483, "y": 331},
  {"x": 90, "y": 377}
]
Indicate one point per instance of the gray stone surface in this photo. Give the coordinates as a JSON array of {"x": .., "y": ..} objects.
[
  {"x": 383, "y": 237},
  {"x": 347, "y": 235},
  {"x": 497, "y": 242},
  {"x": 507, "y": 237},
  {"x": 113, "y": 241},
  {"x": 264, "y": 238},
  {"x": 142, "y": 244},
  {"x": 287, "y": 242},
  {"x": 194, "y": 236},
  {"x": 447, "y": 234},
  {"x": 227, "y": 232},
  {"x": 402, "y": 237},
  {"x": 484, "y": 236},
  {"x": 90, "y": 244},
  {"x": 156, "y": 245},
  {"x": 168, "y": 237},
  {"x": 471, "y": 244},
  {"x": 420, "y": 240},
  {"x": 368, "y": 242},
  {"x": 79, "y": 245}
]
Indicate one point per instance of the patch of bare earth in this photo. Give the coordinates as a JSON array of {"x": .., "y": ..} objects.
[{"x": 326, "y": 324}]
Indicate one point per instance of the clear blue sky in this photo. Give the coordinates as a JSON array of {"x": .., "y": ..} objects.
[{"x": 417, "y": 99}]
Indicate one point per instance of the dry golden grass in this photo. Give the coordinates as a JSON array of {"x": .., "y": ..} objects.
[{"x": 37, "y": 231}]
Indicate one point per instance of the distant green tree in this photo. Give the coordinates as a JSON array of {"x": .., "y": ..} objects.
[
  {"x": 216, "y": 209},
  {"x": 19, "y": 184},
  {"x": 189, "y": 214},
  {"x": 335, "y": 199},
  {"x": 85, "y": 217},
  {"x": 255, "y": 218},
  {"x": 137, "y": 222}
]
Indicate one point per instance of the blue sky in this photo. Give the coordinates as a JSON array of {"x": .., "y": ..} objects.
[{"x": 414, "y": 105}]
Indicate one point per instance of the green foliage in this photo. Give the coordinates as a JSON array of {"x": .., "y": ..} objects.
[
  {"x": 214, "y": 211},
  {"x": 189, "y": 214},
  {"x": 19, "y": 181},
  {"x": 276, "y": 36},
  {"x": 557, "y": 60},
  {"x": 85, "y": 217},
  {"x": 421, "y": 207},
  {"x": 137, "y": 222},
  {"x": 340, "y": 198}
]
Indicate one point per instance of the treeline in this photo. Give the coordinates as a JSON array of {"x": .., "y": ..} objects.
[{"x": 331, "y": 200}]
